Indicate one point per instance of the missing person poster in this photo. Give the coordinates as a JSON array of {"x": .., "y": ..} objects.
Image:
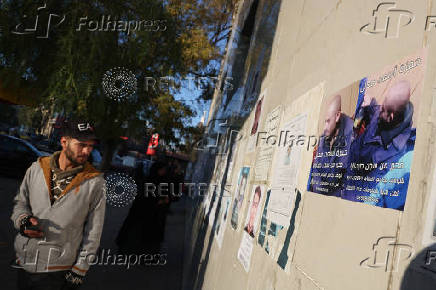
[
  {"x": 285, "y": 170},
  {"x": 370, "y": 161},
  {"x": 253, "y": 130},
  {"x": 265, "y": 153},
  {"x": 251, "y": 226},
  {"x": 239, "y": 195},
  {"x": 335, "y": 128}
]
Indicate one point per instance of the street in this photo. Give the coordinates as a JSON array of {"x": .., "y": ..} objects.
[{"x": 167, "y": 275}]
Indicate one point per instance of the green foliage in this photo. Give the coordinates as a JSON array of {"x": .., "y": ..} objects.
[
  {"x": 67, "y": 67},
  {"x": 30, "y": 117}
]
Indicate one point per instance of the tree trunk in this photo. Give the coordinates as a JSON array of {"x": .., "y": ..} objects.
[{"x": 109, "y": 147}]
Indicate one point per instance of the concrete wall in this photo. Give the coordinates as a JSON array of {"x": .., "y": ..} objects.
[{"x": 318, "y": 49}]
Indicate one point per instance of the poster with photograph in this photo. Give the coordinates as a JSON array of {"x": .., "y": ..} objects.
[
  {"x": 266, "y": 150},
  {"x": 253, "y": 130},
  {"x": 285, "y": 170},
  {"x": 335, "y": 130},
  {"x": 241, "y": 187},
  {"x": 373, "y": 165},
  {"x": 268, "y": 231},
  {"x": 251, "y": 225},
  {"x": 245, "y": 250}
]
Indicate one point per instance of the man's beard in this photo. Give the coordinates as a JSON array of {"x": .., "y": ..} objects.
[{"x": 70, "y": 156}]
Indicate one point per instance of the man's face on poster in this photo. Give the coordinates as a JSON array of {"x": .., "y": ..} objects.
[
  {"x": 253, "y": 210},
  {"x": 256, "y": 117},
  {"x": 331, "y": 122},
  {"x": 244, "y": 183},
  {"x": 241, "y": 186},
  {"x": 394, "y": 105}
]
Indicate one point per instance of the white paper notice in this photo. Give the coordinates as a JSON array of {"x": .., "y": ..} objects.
[
  {"x": 245, "y": 250},
  {"x": 265, "y": 141},
  {"x": 285, "y": 170}
]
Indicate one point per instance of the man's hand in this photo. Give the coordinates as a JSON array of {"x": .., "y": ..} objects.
[
  {"x": 31, "y": 227},
  {"x": 72, "y": 281}
]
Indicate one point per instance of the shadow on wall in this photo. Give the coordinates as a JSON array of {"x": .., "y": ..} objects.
[
  {"x": 249, "y": 67},
  {"x": 421, "y": 272}
]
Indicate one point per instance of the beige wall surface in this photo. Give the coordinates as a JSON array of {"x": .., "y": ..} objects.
[{"x": 320, "y": 43}]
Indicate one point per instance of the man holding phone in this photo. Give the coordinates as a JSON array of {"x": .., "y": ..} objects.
[{"x": 59, "y": 212}]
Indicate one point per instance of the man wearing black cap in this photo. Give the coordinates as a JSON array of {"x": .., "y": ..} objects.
[{"x": 59, "y": 211}]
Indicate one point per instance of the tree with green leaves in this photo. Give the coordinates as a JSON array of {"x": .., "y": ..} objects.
[{"x": 62, "y": 65}]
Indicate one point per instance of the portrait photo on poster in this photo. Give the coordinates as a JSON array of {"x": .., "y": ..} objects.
[
  {"x": 257, "y": 119},
  {"x": 238, "y": 197},
  {"x": 250, "y": 226},
  {"x": 335, "y": 128},
  {"x": 254, "y": 211}
]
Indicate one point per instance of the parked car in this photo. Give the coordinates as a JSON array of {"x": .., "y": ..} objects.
[
  {"x": 16, "y": 155},
  {"x": 95, "y": 158},
  {"x": 43, "y": 145}
]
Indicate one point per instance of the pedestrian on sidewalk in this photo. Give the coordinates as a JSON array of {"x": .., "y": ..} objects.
[
  {"x": 59, "y": 212},
  {"x": 144, "y": 227}
]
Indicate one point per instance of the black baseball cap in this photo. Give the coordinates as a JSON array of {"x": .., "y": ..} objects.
[{"x": 78, "y": 129}]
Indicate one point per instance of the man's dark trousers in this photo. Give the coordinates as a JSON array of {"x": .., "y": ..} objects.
[{"x": 40, "y": 281}]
